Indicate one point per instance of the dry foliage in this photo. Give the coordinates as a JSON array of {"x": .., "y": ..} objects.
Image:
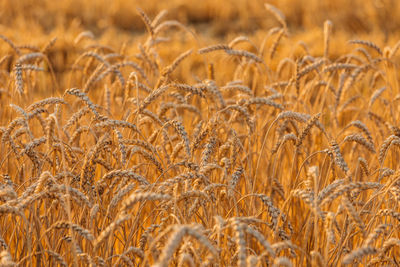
[{"x": 168, "y": 150}]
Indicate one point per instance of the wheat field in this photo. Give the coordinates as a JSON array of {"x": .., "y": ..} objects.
[{"x": 210, "y": 133}]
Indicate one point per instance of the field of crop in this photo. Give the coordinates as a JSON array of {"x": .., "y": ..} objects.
[{"x": 199, "y": 133}]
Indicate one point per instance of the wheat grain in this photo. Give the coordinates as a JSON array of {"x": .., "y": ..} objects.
[
  {"x": 368, "y": 44},
  {"x": 359, "y": 253}
]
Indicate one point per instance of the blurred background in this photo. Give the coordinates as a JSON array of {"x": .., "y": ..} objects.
[{"x": 216, "y": 18}]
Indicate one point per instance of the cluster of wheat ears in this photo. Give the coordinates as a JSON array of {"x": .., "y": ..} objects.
[{"x": 133, "y": 163}]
